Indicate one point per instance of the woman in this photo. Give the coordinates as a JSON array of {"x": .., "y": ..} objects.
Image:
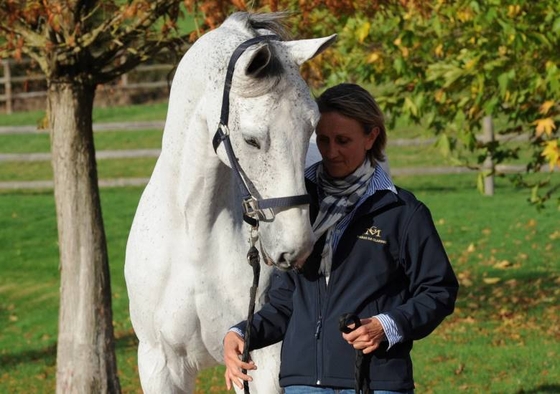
[{"x": 378, "y": 256}]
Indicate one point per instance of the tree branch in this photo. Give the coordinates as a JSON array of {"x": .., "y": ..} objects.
[{"x": 149, "y": 50}]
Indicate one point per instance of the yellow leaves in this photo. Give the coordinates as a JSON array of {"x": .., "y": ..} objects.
[
  {"x": 504, "y": 264},
  {"x": 545, "y": 107},
  {"x": 410, "y": 106},
  {"x": 471, "y": 63},
  {"x": 373, "y": 57},
  {"x": 513, "y": 10},
  {"x": 13, "y": 317},
  {"x": 473, "y": 111},
  {"x": 404, "y": 50},
  {"x": 491, "y": 281},
  {"x": 544, "y": 125},
  {"x": 363, "y": 32},
  {"x": 552, "y": 153},
  {"x": 465, "y": 278},
  {"x": 465, "y": 14},
  {"x": 439, "y": 50},
  {"x": 507, "y": 96},
  {"x": 440, "y": 96}
]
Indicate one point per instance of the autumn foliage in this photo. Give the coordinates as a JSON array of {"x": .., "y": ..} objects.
[
  {"x": 95, "y": 41},
  {"x": 443, "y": 64}
]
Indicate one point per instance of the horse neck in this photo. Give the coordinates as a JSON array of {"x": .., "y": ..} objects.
[
  {"x": 204, "y": 187},
  {"x": 201, "y": 185}
]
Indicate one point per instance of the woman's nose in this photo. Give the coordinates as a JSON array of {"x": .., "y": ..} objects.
[{"x": 331, "y": 151}]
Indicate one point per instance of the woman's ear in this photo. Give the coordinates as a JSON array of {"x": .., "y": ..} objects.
[{"x": 371, "y": 137}]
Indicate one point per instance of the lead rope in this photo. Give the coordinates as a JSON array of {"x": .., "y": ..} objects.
[
  {"x": 254, "y": 261},
  {"x": 361, "y": 366}
]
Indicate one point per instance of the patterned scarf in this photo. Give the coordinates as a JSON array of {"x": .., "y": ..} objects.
[{"x": 337, "y": 199}]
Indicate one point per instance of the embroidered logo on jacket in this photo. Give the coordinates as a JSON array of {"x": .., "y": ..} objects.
[{"x": 372, "y": 234}]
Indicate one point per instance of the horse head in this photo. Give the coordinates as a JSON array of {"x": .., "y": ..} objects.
[{"x": 270, "y": 118}]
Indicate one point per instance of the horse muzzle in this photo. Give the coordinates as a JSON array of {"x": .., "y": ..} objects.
[{"x": 285, "y": 261}]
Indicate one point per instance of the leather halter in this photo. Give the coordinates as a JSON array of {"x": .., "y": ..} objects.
[{"x": 252, "y": 207}]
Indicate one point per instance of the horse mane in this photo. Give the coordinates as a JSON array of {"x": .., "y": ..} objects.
[
  {"x": 276, "y": 22},
  {"x": 257, "y": 24}
]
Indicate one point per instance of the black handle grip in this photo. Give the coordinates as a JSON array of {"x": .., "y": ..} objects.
[{"x": 346, "y": 320}]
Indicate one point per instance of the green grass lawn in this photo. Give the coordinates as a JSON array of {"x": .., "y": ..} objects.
[
  {"x": 399, "y": 156},
  {"x": 107, "y": 140},
  {"x": 131, "y": 113},
  {"x": 106, "y": 169},
  {"x": 503, "y": 338}
]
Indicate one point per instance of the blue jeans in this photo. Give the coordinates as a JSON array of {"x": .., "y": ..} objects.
[{"x": 326, "y": 390}]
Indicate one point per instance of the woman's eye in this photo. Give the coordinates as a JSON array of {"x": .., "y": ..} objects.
[{"x": 253, "y": 142}]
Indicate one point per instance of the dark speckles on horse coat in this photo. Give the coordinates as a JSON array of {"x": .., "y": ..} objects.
[{"x": 186, "y": 272}]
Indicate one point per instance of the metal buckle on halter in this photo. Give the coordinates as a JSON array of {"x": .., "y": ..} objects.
[
  {"x": 251, "y": 208},
  {"x": 224, "y": 128}
]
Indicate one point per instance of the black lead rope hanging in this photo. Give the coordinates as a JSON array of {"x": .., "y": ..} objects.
[
  {"x": 254, "y": 261},
  {"x": 361, "y": 366},
  {"x": 252, "y": 207}
]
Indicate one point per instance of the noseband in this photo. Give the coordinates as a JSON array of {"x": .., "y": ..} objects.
[{"x": 252, "y": 207}]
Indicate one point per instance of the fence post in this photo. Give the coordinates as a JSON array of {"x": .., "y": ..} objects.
[
  {"x": 8, "y": 86},
  {"x": 488, "y": 165}
]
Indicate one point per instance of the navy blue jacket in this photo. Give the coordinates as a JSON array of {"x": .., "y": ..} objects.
[{"x": 389, "y": 260}]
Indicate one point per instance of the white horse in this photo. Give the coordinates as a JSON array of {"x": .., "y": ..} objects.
[{"x": 186, "y": 260}]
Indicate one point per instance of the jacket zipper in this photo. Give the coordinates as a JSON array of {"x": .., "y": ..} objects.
[
  {"x": 318, "y": 327},
  {"x": 318, "y": 337}
]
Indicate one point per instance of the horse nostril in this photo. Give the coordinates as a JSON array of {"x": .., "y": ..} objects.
[
  {"x": 284, "y": 261},
  {"x": 290, "y": 261},
  {"x": 284, "y": 258}
]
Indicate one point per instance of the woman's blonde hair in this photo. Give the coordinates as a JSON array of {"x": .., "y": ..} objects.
[{"x": 355, "y": 102}]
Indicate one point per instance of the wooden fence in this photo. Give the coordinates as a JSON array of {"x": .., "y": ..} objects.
[{"x": 32, "y": 84}]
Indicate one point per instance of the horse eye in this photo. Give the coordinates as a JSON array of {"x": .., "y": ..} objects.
[{"x": 253, "y": 142}]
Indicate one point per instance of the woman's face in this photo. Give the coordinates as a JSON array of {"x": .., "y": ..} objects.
[{"x": 343, "y": 144}]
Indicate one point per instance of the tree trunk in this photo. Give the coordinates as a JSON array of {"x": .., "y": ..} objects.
[{"x": 86, "y": 361}]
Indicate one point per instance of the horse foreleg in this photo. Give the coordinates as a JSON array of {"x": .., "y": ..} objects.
[
  {"x": 265, "y": 378},
  {"x": 160, "y": 374}
]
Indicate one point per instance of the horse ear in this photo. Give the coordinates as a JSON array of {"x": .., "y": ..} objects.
[
  {"x": 256, "y": 59},
  {"x": 304, "y": 50}
]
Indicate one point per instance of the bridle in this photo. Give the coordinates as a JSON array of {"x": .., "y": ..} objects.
[{"x": 252, "y": 207}]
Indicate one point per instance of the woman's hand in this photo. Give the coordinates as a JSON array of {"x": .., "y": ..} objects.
[
  {"x": 367, "y": 337},
  {"x": 233, "y": 349}
]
